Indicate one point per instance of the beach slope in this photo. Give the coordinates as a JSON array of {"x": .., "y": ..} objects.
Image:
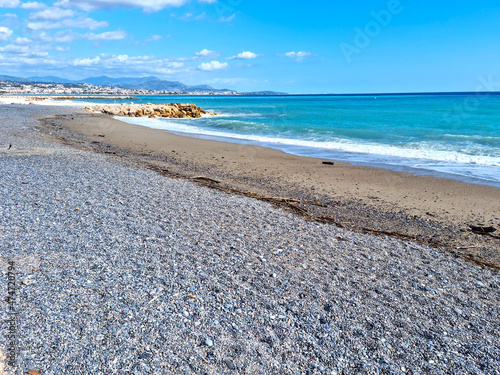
[{"x": 428, "y": 209}]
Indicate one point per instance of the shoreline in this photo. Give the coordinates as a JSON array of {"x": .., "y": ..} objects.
[
  {"x": 428, "y": 209},
  {"x": 370, "y": 160},
  {"x": 481, "y": 174}
]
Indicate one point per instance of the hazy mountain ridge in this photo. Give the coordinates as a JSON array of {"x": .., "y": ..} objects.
[
  {"x": 133, "y": 83},
  {"x": 109, "y": 81},
  {"x": 48, "y": 79},
  {"x": 14, "y": 79}
]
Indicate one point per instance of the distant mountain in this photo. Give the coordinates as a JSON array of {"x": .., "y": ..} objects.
[
  {"x": 131, "y": 83},
  {"x": 205, "y": 87},
  {"x": 151, "y": 83},
  {"x": 50, "y": 79},
  {"x": 157, "y": 84},
  {"x": 109, "y": 81},
  {"x": 138, "y": 83},
  {"x": 171, "y": 86},
  {"x": 14, "y": 79},
  {"x": 134, "y": 83}
]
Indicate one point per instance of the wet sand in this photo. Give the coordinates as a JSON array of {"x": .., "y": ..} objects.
[{"x": 425, "y": 208}]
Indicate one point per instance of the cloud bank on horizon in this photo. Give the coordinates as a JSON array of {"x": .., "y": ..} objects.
[{"x": 253, "y": 45}]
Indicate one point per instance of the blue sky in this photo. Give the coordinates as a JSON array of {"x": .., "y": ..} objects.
[{"x": 248, "y": 45}]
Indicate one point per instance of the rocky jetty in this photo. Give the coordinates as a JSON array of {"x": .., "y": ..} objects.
[{"x": 172, "y": 110}]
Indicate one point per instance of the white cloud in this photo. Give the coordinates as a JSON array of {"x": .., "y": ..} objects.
[
  {"x": 36, "y": 26},
  {"x": 122, "y": 58},
  {"x": 108, "y": 35},
  {"x": 208, "y": 1},
  {"x": 5, "y": 33},
  {"x": 9, "y": 3},
  {"x": 299, "y": 56},
  {"x": 14, "y": 49},
  {"x": 154, "y": 38},
  {"x": 83, "y": 23},
  {"x": 33, "y": 5},
  {"x": 22, "y": 41},
  {"x": 16, "y": 61},
  {"x": 212, "y": 65},
  {"x": 27, "y": 62},
  {"x": 66, "y": 36},
  {"x": 129, "y": 65},
  {"x": 104, "y": 64},
  {"x": 23, "y": 51},
  {"x": 190, "y": 16},
  {"x": 245, "y": 56},
  {"x": 52, "y": 14},
  {"x": 86, "y": 61},
  {"x": 206, "y": 54},
  {"x": 175, "y": 65},
  {"x": 146, "y": 5},
  {"x": 227, "y": 19}
]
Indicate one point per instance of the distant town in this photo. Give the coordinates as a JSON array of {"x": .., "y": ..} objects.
[{"x": 28, "y": 88}]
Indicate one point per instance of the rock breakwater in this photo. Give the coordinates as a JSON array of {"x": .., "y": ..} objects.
[{"x": 171, "y": 110}]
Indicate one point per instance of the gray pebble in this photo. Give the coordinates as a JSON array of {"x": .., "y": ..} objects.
[
  {"x": 230, "y": 364},
  {"x": 113, "y": 277}
]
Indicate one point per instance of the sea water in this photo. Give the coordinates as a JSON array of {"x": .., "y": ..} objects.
[{"x": 448, "y": 135}]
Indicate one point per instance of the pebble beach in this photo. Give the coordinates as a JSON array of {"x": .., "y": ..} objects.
[{"x": 121, "y": 270}]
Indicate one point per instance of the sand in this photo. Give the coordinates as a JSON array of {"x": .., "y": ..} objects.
[
  {"x": 426, "y": 208},
  {"x": 31, "y": 100}
]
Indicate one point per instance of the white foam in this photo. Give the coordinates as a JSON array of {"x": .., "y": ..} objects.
[{"x": 422, "y": 151}]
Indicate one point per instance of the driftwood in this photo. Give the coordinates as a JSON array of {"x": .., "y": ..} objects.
[
  {"x": 201, "y": 178},
  {"x": 482, "y": 230}
]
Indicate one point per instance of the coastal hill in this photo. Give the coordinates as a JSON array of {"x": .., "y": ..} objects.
[
  {"x": 14, "y": 79},
  {"x": 135, "y": 83},
  {"x": 150, "y": 83}
]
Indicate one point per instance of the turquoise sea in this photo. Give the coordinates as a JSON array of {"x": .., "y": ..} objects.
[{"x": 449, "y": 135}]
